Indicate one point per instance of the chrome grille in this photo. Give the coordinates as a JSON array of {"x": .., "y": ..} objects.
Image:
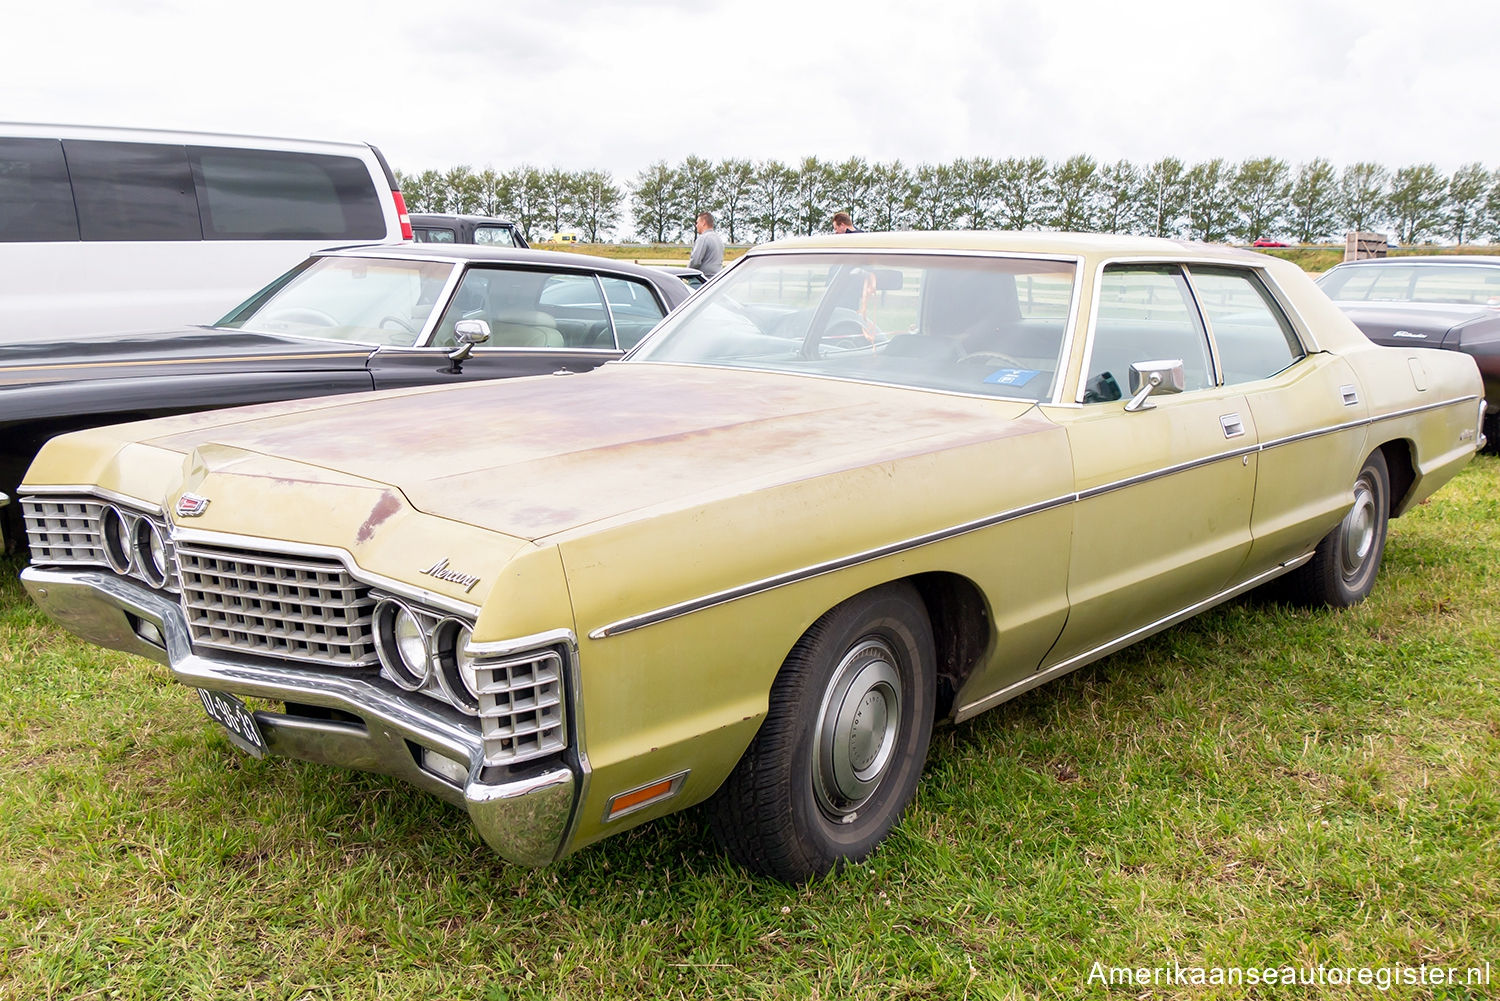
[
  {"x": 64, "y": 529},
  {"x": 273, "y": 605},
  {"x": 521, "y": 707}
]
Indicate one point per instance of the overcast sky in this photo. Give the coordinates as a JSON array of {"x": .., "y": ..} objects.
[{"x": 584, "y": 84}]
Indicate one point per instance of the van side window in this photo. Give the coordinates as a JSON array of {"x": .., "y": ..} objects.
[
  {"x": 36, "y": 200},
  {"x": 132, "y": 191},
  {"x": 258, "y": 194}
]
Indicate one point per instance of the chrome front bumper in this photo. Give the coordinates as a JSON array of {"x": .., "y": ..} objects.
[{"x": 524, "y": 816}]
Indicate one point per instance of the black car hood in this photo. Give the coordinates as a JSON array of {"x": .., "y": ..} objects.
[{"x": 170, "y": 352}]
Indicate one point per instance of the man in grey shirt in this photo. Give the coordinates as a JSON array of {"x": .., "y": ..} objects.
[{"x": 708, "y": 249}]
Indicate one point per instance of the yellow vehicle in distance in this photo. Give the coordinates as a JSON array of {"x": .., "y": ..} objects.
[{"x": 856, "y": 485}]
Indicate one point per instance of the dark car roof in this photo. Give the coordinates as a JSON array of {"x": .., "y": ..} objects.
[
  {"x": 1491, "y": 260},
  {"x": 446, "y": 217},
  {"x": 501, "y": 255}
]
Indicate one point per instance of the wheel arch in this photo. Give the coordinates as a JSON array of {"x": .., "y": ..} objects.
[
  {"x": 1400, "y": 464},
  {"x": 961, "y": 627}
]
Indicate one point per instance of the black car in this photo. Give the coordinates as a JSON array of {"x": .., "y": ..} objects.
[
  {"x": 1448, "y": 302},
  {"x": 341, "y": 322},
  {"x": 431, "y": 227}
]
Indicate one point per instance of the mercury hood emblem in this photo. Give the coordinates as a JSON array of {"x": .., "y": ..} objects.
[
  {"x": 191, "y": 505},
  {"x": 441, "y": 572}
]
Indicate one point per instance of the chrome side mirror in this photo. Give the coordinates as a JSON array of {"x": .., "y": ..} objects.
[
  {"x": 467, "y": 333},
  {"x": 1147, "y": 377}
]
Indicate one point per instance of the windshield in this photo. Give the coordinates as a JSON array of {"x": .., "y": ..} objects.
[
  {"x": 987, "y": 325},
  {"x": 362, "y": 299},
  {"x": 1473, "y": 285}
]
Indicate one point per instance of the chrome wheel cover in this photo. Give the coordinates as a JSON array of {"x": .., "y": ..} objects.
[
  {"x": 858, "y": 724},
  {"x": 1357, "y": 533}
]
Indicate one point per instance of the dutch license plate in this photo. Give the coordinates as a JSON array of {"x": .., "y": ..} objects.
[{"x": 237, "y": 718}]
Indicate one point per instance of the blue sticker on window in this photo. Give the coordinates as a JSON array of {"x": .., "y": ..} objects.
[{"x": 1012, "y": 376}]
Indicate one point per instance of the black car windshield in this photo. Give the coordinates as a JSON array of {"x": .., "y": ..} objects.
[
  {"x": 992, "y": 326},
  {"x": 1463, "y": 284},
  {"x": 364, "y": 299}
]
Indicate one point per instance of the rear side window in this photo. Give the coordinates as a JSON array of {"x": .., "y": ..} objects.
[
  {"x": 132, "y": 191},
  {"x": 256, "y": 194},
  {"x": 36, "y": 200},
  {"x": 495, "y": 236},
  {"x": 1255, "y": 340}
]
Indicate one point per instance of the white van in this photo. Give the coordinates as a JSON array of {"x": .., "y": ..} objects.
[{"x": 107, "y": 229}]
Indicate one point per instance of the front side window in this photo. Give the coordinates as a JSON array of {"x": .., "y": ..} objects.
[
  {"x": 36, "y": 199},
  {"x": 367, "y": 300},
  {"x": 990, "y": 326},
  {"x": 1254, "y": 338},
  {"x": 530, "y": 308},
  {"x": 1145, "y": 313}
]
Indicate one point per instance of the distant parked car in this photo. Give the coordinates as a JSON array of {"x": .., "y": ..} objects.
[
  {"x": 105, "y": 229},
  {"x": 692, "y": 276},
  {"x": 1450, "y": 302},
  {"x": 340, "y": 322},
  {"x": 428, "y": 227},
  {"x": 1264, "y": 242}
]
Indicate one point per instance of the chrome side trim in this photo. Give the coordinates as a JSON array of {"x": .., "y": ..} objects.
[
  {"x": 681, "y": 608},
  {"x": 1120, "y": 642},
  {"x": 1181, "y": 467},
  {"x": 818, "y": 569}
]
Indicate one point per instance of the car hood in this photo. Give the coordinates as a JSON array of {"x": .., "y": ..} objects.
[
  {"x": 1412, "y": 323},
  {"x": 538, "y": 456},
  {"x": 153, "y": 353}
]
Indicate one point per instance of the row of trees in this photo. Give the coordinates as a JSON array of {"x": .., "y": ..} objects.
[{"x": 1214, "y": 201}]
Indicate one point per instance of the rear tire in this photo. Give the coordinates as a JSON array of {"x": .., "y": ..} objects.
[
  {"x": 841, "y": 749},
  {"x": 1343, "y": 568}
]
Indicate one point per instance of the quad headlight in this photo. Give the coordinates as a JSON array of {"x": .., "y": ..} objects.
[
  {"x": 455, "y": 666},
  {"x": 420, "y": 649},
  {"x": 135, "y": 545},
  {"x": 401, "y": 643}
]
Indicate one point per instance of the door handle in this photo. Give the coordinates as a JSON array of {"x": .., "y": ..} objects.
[{"x": 1232, "y": 425}]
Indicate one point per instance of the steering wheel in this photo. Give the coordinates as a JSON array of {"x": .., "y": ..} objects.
[
  {"x": 401, "y": 323},
  {"x": 303, "y": 314},
  {"x": 995, "y": 359}
]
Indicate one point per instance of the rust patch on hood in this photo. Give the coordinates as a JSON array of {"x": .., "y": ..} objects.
[{"x": 388, "y": 505}]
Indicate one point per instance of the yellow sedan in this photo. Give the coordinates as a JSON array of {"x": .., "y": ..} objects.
[{"x": 857, "y": 485}]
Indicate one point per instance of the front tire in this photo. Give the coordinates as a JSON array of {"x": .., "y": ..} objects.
[
  {"x": 1343, "y": 568},
  {"x": 841, "y": 749}
]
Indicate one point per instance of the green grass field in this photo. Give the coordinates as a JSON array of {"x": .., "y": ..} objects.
[{"x": 1259, "y": 787}]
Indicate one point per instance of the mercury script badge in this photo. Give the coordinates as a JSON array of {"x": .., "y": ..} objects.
[
  {"x": 441, "y": 572},
  {"x": 191, "y": 505}
]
